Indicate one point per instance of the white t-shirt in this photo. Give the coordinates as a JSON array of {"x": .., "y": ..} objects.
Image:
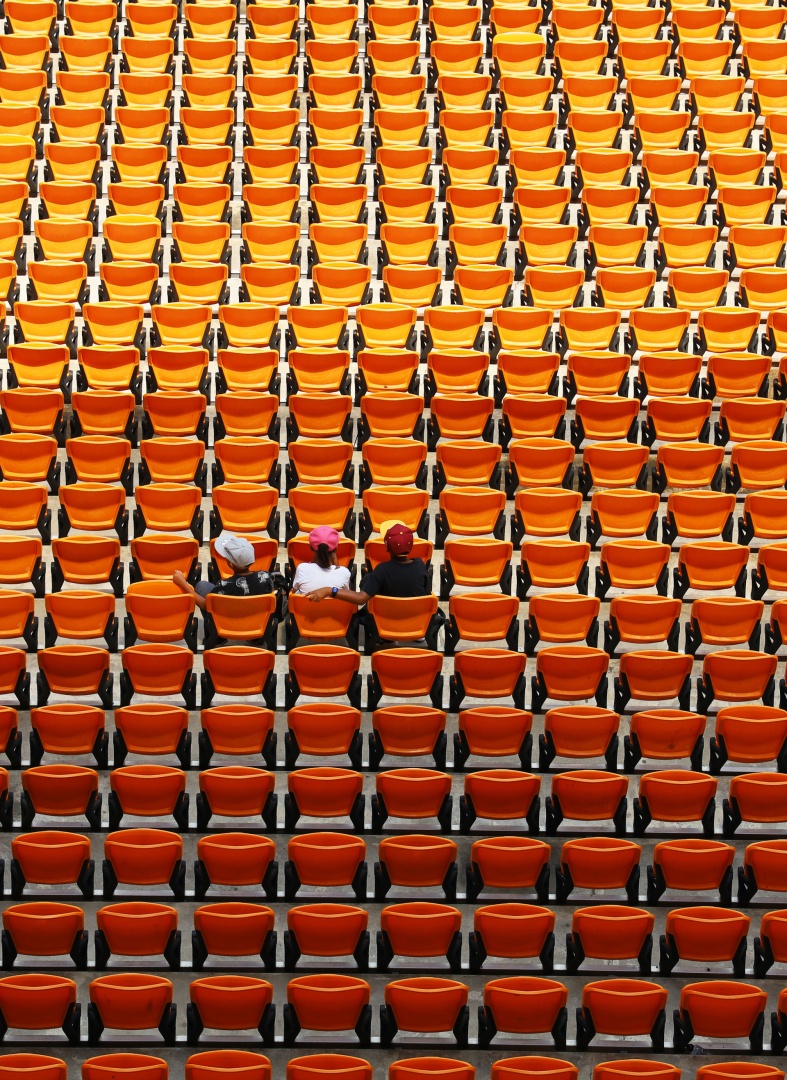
[{"x": 310, "y": 576}]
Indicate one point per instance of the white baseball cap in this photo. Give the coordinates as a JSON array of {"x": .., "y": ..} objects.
[{"x": 234, "y": 549}]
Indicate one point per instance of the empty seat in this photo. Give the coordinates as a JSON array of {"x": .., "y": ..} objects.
[
  {"x": 53, "y": 858},
  {"x": 523, "y": 1004},
  {"x": 631, "y": 1007},
  {"x": 705, "y": 934},
  {"x": 570, "y": 673},
  {"x": 750, "y": 733},
  {"x": 137, "y": 929},
  {"x": 610, "y": 932},
  {"x": 720, "y": 1010},
  {"x": 692, "y": 866},
  {"x": 156, "y": 669},
  {"x": 131, "y": 1002},
  {"x": 327, "y": 930},
  {"x": 425, "y": 1004},
  {"x": 39, "y": 1002},
  {"x": 410, "y": 731},
  {"x": 514, "y": 931},
  {"x": 235, "y": 859},
  {"x": 347, "y": 1009},
  {"x": 44, "y": 929},
  {"x": 60, "y": 791},
  {"x": 144, "y": 857},
  {"x": 151, "y": 729},
  {"x": 236, "y": 791},
  {"x": 148, "y": 791},
  {"x": 68, "y": 729}
]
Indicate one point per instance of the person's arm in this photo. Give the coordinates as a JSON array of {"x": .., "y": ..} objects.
[
  {"x": 359, "y": 598},
  {"x": 180, "y": 580}
]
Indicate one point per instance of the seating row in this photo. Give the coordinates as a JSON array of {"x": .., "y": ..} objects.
[
  {"x": 574, "y": 673},
  {"x": 595, "y": 384},
  {"x": 743, "y": 735},
  {"x": 428, "y": 1005},
  {"x": 153, "y": 791},
  {"x": 334, "y": 861},
  {"x": 414, "y": 930},
  {"x": 486, "y": 288},
  {"x": 619, "y": 288},
  {"x": 397, "y": 330},
  {"x": 248, "y": 1065},
  {"x": 157, "y": 612}
]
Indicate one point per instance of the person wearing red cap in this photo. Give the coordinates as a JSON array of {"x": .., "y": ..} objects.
[
  {"x": 401, "y": 576},
  {"x": 322, "y": 572}
]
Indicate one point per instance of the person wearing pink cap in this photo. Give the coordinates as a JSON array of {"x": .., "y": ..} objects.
[{"x": 322, "y": 572}]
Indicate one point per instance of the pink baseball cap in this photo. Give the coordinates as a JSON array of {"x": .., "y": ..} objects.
[{"x": 324, "y": 534}]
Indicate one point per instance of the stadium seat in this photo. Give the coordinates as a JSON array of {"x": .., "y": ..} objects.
[
  {"x": 502, "y": 1010},
  {"x": 692, "y": 866},
  {"x": 327, "y": 930},
  {"x": 148, "y": 791},
  {"x": 151, "y": 729},
  {"x": 610, "y": 932},
  {"x": 68, "y": 729},
  {"x": 137, "y": 929},
  {"x": 144, "y": 857},
  {"x": 346, "y": 1066},
  {"x": 631, "y": 1007},
  {"x": 720, "y": 1010},
  {"x": 500, "y": 794},
  {"x": 512, "y": 930},
  {"x": 599, "y": 863},
  {"x": 307, "y": 1006},
  {"x": 489, "y": 674},
  {"x": 51, "y": 858},
  {"x": 408, "y": 731},
  {"x": 60, "y": 791},
  {"x": 36, "y": 1002},
  {"x": 44, "y": 929},
  {"x": 157, "y": 668},
  {"x": 425, "y": 1004}
]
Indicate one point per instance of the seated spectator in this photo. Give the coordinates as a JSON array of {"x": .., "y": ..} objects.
[
  {"x": 400, "y": 576},
  {"x": 322, "y": 572},
  {"x": 244, "y": 581}
]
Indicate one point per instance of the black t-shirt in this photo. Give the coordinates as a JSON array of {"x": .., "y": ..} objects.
[
  {"x": 253, "y": 584},
  {"x": 396, "y": 579}
]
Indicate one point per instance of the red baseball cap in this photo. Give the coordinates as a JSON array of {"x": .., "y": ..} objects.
[{"x": 399, "y": 539}]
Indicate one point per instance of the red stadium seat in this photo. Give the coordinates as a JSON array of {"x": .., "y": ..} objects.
[
  {"x": 610, "y": 932},
  {"x": 229, "y": 858},
  {"x": 519, "y": 862},
  {"x": 327, "y": 930},
  {"x": 720, "y": 1010},
  {"x": 523, "y": 1004},
  {"x": 705, "y": 934},
  {"x": 414, "y": 862},
  {"x": 230, "y": 1003},
  {"x": 425, "y": 1004},
  {"x": 630, "y": 1007}
]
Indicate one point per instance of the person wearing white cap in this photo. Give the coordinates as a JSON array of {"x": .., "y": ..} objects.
[{"x": 239, "y": 553}]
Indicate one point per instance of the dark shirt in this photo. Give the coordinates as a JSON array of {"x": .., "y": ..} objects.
[
  {"x": 255, "y": 583},
  {"x": 396, "y": 579}
]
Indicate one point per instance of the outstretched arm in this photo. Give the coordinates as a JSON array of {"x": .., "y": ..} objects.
[
  {"x": 359, "y": 598},
  {"x": 180, "y": 580}
]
